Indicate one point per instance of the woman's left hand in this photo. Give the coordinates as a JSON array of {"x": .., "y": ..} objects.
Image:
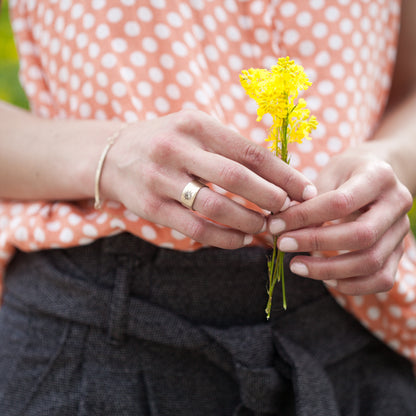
[{"x": 360, "y": 213}]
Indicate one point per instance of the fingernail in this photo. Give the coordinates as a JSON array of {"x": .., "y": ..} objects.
[
  {"x": 248, "y": 239},
  {"x": 286, "y": 204},
  {"x": 331, "y": 283},
  {"x": 299, "y": 268},
  {"x": 277, "y": 225},
  {"x": 309, "y": 192},
  {"x": 288, "y": 244}
]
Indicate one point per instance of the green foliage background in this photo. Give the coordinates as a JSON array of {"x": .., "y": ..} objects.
[{"x": 11, "y": 91}]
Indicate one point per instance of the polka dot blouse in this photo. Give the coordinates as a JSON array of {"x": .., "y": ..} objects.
[{"x": 134, "y": 60}]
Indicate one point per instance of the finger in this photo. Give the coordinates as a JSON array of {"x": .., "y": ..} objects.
[
  {"x": 220, "y": 140},
  {"x": 382, "y": 281},
  {"x": 237, "y": 179},
  {"x": 227, "y": 212},
  {"x": 188, "y": 223},
  {"x": 169, "y": 184},
  {"x": 355, "y": 263},
  {"x": 362, "y": 233},
  {"x": 357, "y": 192}
]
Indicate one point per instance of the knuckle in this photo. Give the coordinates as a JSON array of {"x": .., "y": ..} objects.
[
  {"x": 151, "y": 176},
  {"x": 189, "y": 121},
  {"x": 254, "y": 155},
  {"x": 196, "y": 231},
  {"x": 212, "y": 206},
  {"x": 162, "y": 148},
  {"x": 233, "y": 174},
  {"x": 406, "y": 198},
  {"x": 151, "y": 207},
  {"x": 342, "y": 203},
  {"x": 366, "y": 235},
  {"x": 385, "y": 282},
  {"x": 374, "y": 261}
]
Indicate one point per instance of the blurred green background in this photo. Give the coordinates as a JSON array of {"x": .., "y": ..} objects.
[{"x": 11, "y": 91}]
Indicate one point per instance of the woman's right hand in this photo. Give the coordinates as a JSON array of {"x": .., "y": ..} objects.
[{"x": 152, "y": 161}]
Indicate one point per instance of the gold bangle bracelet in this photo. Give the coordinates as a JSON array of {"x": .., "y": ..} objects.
[{"x": 110, "y": 141}]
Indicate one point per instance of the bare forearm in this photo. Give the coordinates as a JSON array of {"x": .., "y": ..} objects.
[
  {"x": 395, "y": 142},
  {"x": 48, "y": 159}
]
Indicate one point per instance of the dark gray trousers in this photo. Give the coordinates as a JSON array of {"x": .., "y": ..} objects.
[{"x": 122, "y": 327}]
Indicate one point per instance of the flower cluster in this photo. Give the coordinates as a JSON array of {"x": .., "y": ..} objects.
[{"x": 276, "y": 93}]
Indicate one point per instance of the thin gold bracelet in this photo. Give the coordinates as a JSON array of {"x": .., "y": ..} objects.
[{"x": 110, "y": 142}]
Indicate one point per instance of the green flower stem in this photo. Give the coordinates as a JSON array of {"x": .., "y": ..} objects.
[{"x": 276, "y": 264}]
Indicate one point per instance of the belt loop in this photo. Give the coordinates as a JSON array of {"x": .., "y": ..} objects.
[{"x": 120, "y": 299}]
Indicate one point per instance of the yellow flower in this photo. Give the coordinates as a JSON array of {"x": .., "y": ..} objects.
[{"x": 276, "y": 93}]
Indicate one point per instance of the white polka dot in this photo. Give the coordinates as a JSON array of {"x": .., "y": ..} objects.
[
  {"x": 144, "y": 88},
  {"x": 304, "y": 19},
  {"x": 162, "y": 105},
  {"x": 174, "y": 19},
  {"x": 109, "y": 60},
  {"x": 173, "y": 91},
  {"x": 119, "y": 45},
  {"x": 335, "y": 42},
  {"x": 149, "y": 44},
  {"x": 66, "y": 235},
  {"x": 334, "y": 144},
  {"x": 127, "y": 74},
  {"x": 233, "y": 33},
  {"x": 317, "y": 4},
  {"x": 177, "y": 235},
  {"x": 144, "y": 14},
  {"x": 148, "y": 232},
  {"x": 320, "y": 30},
  {"x": 325, "y": 87},
  {"x": 74, "y": 219},
  {"x": 179, "y": 49},
  {"x": 88, "y": 21},
  {"x": 332, "y": 14},
  {"x": 321, "y": 158},
  {"x": 21, "y": 234},
  {"x": 306, "y": 48},
  {"x": 184, "y": 78},
  {"x": 132, "y": 29},
  {"x": 138, "y": 58},
  {"x": 89, "y": 230},
  {"x": 162, "y": 31},
  {"x": 291, "y": 36},
  {"x": 411, "y": 323},
  {"x": 96, "y": 4},
  {"x": 117, "y": 223},
  {"x": 39, "y": 234},
  {"x": 288, "y": 9},
  {"x": 85, "y": 110},
  {"x": 156, "y": 75},
  {"x": 167, "y": 61},
  {"x": 158, "y": 4},
  {"x": 323, "y": 58},
  {"x": 395, "y": 311},
  {"x": 119, "y": 89},
  {"x": 209, "y": 23},
  {"x": 330, "y": 115},
  {"x": 373, "y": 312},
  {"x": 356, "y": 10},
  {"x": 102, "y": 31},
  {"x": 102, "y": 79}
]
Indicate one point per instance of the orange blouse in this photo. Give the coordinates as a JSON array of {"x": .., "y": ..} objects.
[{"x": 133, "y": 60}]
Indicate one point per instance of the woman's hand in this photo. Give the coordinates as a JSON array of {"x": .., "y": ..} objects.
[
  {"x": 362, "y": 206},
  {"x": 152, "y": 161}
]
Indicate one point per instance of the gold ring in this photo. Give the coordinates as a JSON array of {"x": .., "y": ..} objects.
[{"x": 190, "y": 192}]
